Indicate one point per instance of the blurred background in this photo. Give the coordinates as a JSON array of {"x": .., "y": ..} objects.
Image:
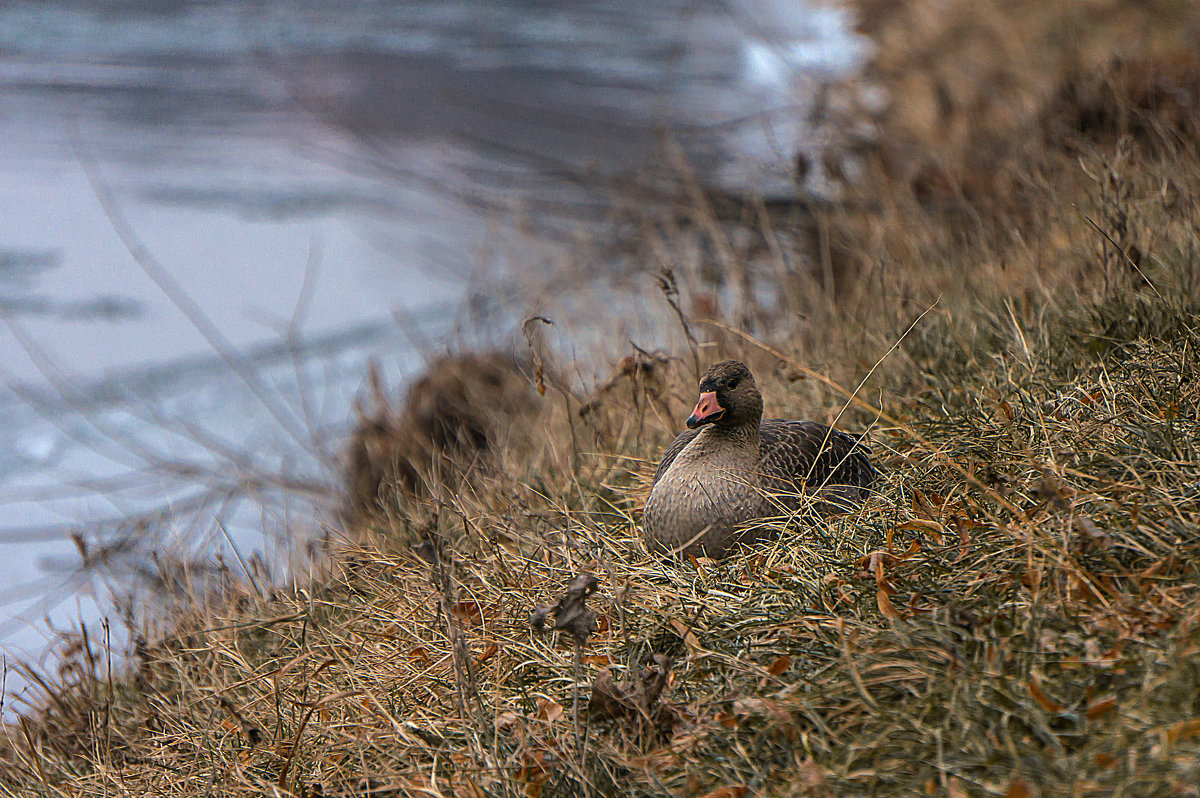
[{"x": 214, "y": 215}]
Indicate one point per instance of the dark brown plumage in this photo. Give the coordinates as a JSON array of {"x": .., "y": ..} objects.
[{"x": 731, "y": 467}]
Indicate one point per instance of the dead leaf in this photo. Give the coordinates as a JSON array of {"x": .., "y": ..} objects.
[
  {"x": 885, "y": 604},
  {"x": 877, "y": 562},
  {"x": 570, "y": 611},
  {"x": 1018, "y": 789},
  {"x": 631, "y": 699},
  {"x": 954, "y": 787},
  {"x": 1090, "y": 535},
  {"x": 933, "y": 528},
  {"x": 926, "y": 503},
  {"x": 727, "y": 792},
  {"x": 549, "y": 710},
  {"x": 468, "y": 612},
  {"x": 913, "y": 609},
  {"x": 780, "y": 665},
  {"x": 810, "y": 781},
  {"x": 763, "y": 707},
  {"x": 535, "y": 771},
  {"x": 1099, "y": 708},
  {"x": 689, "y": 637},
  {"x": 963, "y": 526},
  {"x": 470, "y": 789},
  {"x": 1053, "y": 492},
  {"x": 1048, "y": 703},
  {"x": 874, "y": 564},
  {"x": 487, "y": 653},
  {"x": 1183, "y": 730},
  {"x": 1108, "y": 658}
]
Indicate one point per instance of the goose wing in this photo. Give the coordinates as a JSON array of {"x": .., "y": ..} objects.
[
  {"x": 812, "y": 455},
  {"x": 681, "y": 440}
]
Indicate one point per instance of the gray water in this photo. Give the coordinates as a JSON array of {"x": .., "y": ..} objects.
[{"x": 213, "y": 214}]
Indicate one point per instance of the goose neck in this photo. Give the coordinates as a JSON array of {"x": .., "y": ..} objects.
[{"x": 742, "y": 436}]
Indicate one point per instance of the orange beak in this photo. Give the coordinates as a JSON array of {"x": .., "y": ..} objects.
[{"x": 708, "y": 409}]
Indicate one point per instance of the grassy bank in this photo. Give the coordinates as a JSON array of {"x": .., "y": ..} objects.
[{"x": 1008, "y": 296}]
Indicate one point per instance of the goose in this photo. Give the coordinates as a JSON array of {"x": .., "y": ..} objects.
[{"x": 730, "y": 467}]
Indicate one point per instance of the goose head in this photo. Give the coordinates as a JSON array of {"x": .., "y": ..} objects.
[{"x": 729, "y": 398}]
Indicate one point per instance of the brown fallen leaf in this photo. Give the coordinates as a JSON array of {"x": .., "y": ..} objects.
[
  {"x": 1039, "y": 695},
  {"x": 935, "y": 530},
  {"x": 570, "y": 611},
  {"x": 631, "y": 699},
  {"x": 469, "y": 788},
  {"x": 549, "y": 710},
  {"x": 535, "y": 770},
  {"x": 885, "y": 603},
  {"x": 913, "y": 609},
  {"x": 963, "y": 527},
  {"x": 1182, "y": 730},
  {"x": 877, "y": 561},
  {"x": 1088, "y": 535},
  {"x": 780, "y": 665},
  {"x": 506, "y": 720},
  {"x": 689, "y": 637},
  {"x": 468, "y": 612},
  {"x": 874, "y": 564},
  {"x": 926, "y": 503},
  {"x": 1018, "y": 789},
  {"x": 809, "y": 781},
  {"x": 1097, "y": 659},
  {"x": 1101, "y": 707},
  {"x": 727, "y": 792}
]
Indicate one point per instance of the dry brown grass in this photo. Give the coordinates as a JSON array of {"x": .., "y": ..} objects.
[
  {"x": 1016, "y": 613},
  {"x": 447, "y": 426}
]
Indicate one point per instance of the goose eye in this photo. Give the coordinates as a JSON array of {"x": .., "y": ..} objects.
[{"x": 733, "y": 383}]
